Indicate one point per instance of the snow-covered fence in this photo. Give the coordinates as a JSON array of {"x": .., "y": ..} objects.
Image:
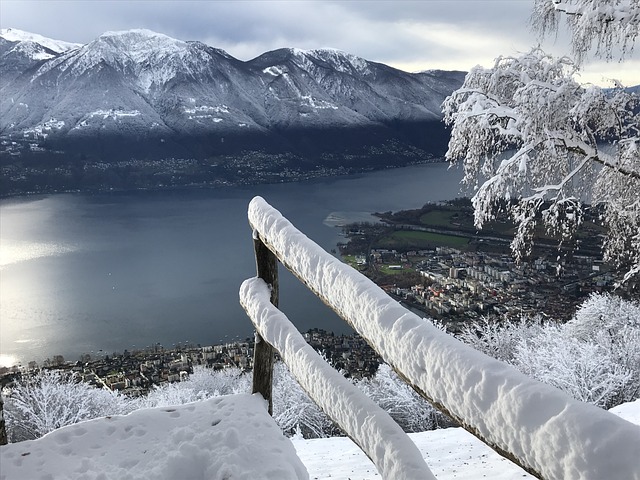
[
  {"x": 369, "y": 426},
  {"x": 535, "y": 425}
]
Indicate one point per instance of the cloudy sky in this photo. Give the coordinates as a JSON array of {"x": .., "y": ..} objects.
[{"x": 410, "y": 35}]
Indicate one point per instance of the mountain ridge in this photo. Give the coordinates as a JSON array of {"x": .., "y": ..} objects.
[{"x": 145, "y": 96}]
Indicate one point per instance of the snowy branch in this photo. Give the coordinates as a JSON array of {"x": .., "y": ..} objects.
[
  {"x": 612, "y": 24},
  {"x": 529, "y": 136}
]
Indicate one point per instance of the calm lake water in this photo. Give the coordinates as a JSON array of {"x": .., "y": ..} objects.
[{"x": 102, "y": 273}]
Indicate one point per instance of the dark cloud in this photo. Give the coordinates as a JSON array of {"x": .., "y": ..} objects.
[{"x": 412, "y": 35}]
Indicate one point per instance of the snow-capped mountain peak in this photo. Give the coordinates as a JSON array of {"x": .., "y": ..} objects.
[
  {"x": 56, "y": 46},
  {"x": 335, "y": 59},
  {"x": 147, "y": 59},
  {"x": 340, "y": 60},
  {"x": 140, "y": 43}
]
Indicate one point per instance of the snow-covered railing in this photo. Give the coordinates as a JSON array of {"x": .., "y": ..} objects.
[
  {"x": 537, "y": 426},
  {"x": 369, "y": 426}
]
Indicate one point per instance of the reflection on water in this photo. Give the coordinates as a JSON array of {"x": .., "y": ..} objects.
[
  {"x": 8, "y": 360},
  {"x": 14, "y": 252}
]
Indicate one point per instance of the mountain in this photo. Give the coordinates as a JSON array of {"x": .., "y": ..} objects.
[
  {"x": 21, "y": 50},
  {"x": 143, "y": 96}
]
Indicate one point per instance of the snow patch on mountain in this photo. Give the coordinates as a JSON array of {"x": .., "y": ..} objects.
[
  {"x": 115, "y": 114},
  {"x": 341, "y": 61},
  {"x": 32, "y": 50},
  {"x": 101, "y": 115},
  {"x": 316, "y": 103},
  {"x": 205, "y": 111},
  {"x": 275, "y": 71}
]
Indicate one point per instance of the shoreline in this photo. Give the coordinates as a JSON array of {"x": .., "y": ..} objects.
[{"x": 220, "y": 184}]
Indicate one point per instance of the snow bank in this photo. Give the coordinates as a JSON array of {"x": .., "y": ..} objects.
[
  {"x": 549, "y": 432},
  {"x": 372, "y": 428},
  {"x": 230, "y": 437}
]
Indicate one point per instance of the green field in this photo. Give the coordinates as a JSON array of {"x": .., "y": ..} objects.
[
  {"x": 391, "y": 271},
  {"x": 410, "y": 240},
  {"x": 351, "y": 261},
  {"x": 440, "y": 218}
]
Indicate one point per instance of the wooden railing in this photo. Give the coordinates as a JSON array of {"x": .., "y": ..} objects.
[{"x": 534, "y": 425}]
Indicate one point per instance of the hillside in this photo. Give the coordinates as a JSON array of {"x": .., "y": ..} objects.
[{"x": 203, "y": 116}]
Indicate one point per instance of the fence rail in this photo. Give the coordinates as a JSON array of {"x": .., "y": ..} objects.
[{"x": 534, "y": 425}]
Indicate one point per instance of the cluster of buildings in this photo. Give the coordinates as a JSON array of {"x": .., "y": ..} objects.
[
  {"x": 135, "y": 373},
  {"x": 349, "y": 354},
  {"x": 458, "y": 285}
]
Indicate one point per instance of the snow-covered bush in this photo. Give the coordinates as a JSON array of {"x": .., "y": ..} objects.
[
  {"x": 614, "y": 325},
  {"x": 294, "y": 411},
  {"x": 584, "y": 370},
  {"x": 412, "y": 412},
  {"x": 498, "y": 339},
  {"x": 202, "y": 383},
  {"x": 51, "y": 399},
  {"x": 595, "y": 357}
]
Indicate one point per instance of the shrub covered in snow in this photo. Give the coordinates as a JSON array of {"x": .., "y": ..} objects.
[
  {"x": 498, "y": 339},
  {"x": 412, "y": 412},
  {"x": 595, "y": 357},
  {"x": 294, "y": 411},
  {"x": 51, "y": 399},
  {"x": 202, "y": 383}
]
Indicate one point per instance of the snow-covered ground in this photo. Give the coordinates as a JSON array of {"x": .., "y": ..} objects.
[
  {"x": 228, "y": 437},
  {"x": 452, "y": 453},
  {"x": 231, "y": 437}
]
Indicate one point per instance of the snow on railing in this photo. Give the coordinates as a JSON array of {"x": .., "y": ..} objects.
[
  {"x": 537, "y": 426},
  {"x": 369, "y": 426}
]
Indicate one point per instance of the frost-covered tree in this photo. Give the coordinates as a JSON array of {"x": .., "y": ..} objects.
[
  {"x": 498, "y": 339},
  {"x": 412, "y": 412},
  {"x": 51, "y": 399},
  {"x": 595, "y": 357},
  {"x": 584, "y": 370},
  {"x": 293, "y": 410},
  {"x": 613, "y": 324},
  {"x": 537, "y": 144},
  {"x": 202, "y": 383},
  {"x": 612, "y": 25}
]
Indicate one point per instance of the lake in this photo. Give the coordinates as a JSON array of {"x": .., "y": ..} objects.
[{"x": 95, "y": 274}]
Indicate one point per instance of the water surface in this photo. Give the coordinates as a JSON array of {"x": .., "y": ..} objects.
[{"x": 100, "y": 273}]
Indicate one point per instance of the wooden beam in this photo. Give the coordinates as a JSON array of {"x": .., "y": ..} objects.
[{"x": 263, "y": 353}]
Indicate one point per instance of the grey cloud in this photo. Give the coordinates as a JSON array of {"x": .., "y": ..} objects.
[{"x": 396, "y": 32}]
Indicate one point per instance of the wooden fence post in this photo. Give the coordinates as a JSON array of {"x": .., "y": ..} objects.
[
  {"x": 263, "y": 353},
  {"x": 3, "y": 428}
]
